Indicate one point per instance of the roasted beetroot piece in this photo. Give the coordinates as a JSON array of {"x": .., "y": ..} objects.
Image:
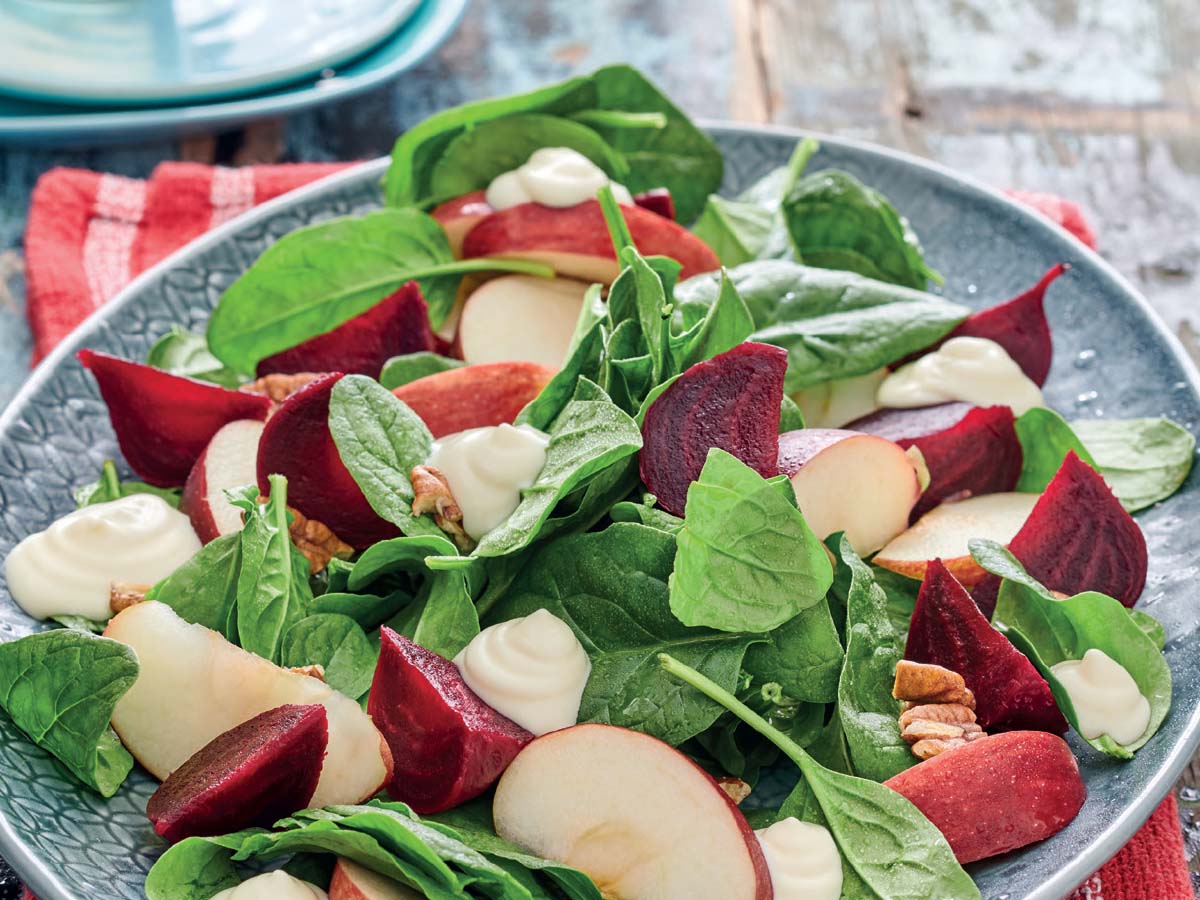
[
  {"x": 297, "y": 444},
  {"x": 948, "y": 630},
  {"x": 474, "y": 396},
  {"x": 447, "y": 745},
  {"x": 253, "y": 774},
  {"x": 1078, "y": 538},
  {"x": 968, "y": 450},
  {"x": 657, "y": 200},
  {"x": 396, "y": 325},
  {"x": 731, "y": 401},
  {"x": 163, "y": 421},
  {"x": 997, "y": 794}
]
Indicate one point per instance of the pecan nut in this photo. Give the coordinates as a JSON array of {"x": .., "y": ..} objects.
[
  {"x": 938, "y": 714},
  {"x": 923, "y": 683},
  {"x": 124, "y": 594},
  {"x": 279, "y": 387},
  {"x": 432, "y": 496},
  {"x": 316, "y": 541}
]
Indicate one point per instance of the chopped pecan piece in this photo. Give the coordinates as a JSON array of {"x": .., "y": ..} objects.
[
  {"x": 736, "y": 789},
  {"x": 930, "y": 748},
  {"x": 279, "y": 387},
  {"x": 124, "y": 594},
  {"x": 939, "y": 712},
  {"x": 316, "y": 541},
  {"x": 313, "y": 671},
  {"x": 922, "y": 683},
  {"x": 947, "y": 713},
  {"x": 432, "y": 496}
]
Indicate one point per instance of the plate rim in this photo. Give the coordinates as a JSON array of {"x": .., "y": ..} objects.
[{"x": 1066, "y": 877}]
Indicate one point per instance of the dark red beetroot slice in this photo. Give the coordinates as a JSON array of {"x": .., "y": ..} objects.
[
  {"x": 948, "y": 630},
  {"x": 447, "y": 745},
  {"x": 969, "y": 450},
  {"x": 657, "y": 200},
  {"x": 253, "y": 774},
  {"x": 1078, "y": 538},
  {"x": 731, "y": 401},
  {"x": 163, "y": 421},
  {"x": 296, "y": 443},
  {"x": 360, "y": 346}
]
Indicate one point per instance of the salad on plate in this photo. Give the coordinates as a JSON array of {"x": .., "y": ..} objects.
[{"x": 515, "y": 539}]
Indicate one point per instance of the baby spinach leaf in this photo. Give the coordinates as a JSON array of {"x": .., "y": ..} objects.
[
  {"x": 182, "y": 352},
  {"x": 726, "y": 324},
  {"x": 583, "y": 360},
  {"x": 402, "y": 554},
  {"x": 803, "y": 656},
  {"x": 339, "y": 645},
  {"x": 80, "y": 623},
  {"x": 111, "y": 487},
  {"x": 402, "y": 369},
  {"x": 1045, "y": 442},
  {"x": 790, "y": 416},
  {"x": 1152, "y": 628},
  {"x": 585, "y": 506},
  {"x": 901, "y": 598},
  {"x": 736, "y": 231},
  {"x": 368, "y": 610},
  {"x": 1143, "y": 460},
  {"x": 448, "y": 619},
  {"x": 646, "y": 513},
  {"x": 60, "y": 687},
  {"x": 204, "y": 590},
  {"x": 747, "y": 561}
]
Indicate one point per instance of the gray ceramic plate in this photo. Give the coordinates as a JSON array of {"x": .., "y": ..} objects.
[{"x": 1112, "y": 357}]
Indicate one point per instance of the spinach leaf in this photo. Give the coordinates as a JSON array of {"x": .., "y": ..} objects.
[
  {"x": 646, "y": 513},
  {"x": 583, "y": 359},
  {"x": 585, "y": 506},
  {"x": 747, "y": 561},
  {"x": 1152, "y": 628},
  {"x": 60, "y": 687},
  {"x": 726, "y": 324},
  {"x": 832, "y": 324},
  {"x": 448, "y": 619},
  {"x": 1143, "y": 460},
  {"x": 791, "y": 418},
  {"x": 737, "y": 232},
  {"x": 368, "y": 610},
  {"x": 336, "y": 643},
  {"x": 182, "y": 352},
  {"x": 204, "y": 590},
  {"x": 80, "y": 623},
  {"x": 402, "y": 369},
  {"x": 110, "y": 487},
  {"x": 901, "y": 598},
  {"x": 1045, "y": 442},
  {"x": 803, "y": 656},
  {"x": 402, "y": 554}
]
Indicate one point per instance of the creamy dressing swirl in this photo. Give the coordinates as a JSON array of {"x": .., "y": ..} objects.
[
  {"x": 803, "y": 860},
  {"x": 277, "y": 885},
  {"x": 553, "y": 176},
  {"x": 1105, "y": 697},
  {"x": 970, "y": 369}
]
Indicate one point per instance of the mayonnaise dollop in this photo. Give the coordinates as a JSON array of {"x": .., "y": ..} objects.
[
  {"x": 277, "y": 885},
  {"x": 971, "y": 369},
  {"x": 1105, "y": 697},
  {"x": 68, "y": 568},
  {"x": 532, "y": 670},
  {"x": 553, "y": 176},
  {"x": 803, "y": 860},
  {"x": 487, "y": 468}
]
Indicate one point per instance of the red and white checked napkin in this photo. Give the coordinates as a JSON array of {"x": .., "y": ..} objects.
[{"x": 90, "y": 234}]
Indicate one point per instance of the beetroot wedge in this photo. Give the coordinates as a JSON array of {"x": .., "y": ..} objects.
[
  {"x": 968, "y": 450},
  {"x": 1077, "y": 538},
  {"x": 163, "y": 421},
  {"x": 947, "y": 629},
  {"x": 447, "y": 745},
  {"x": 296, "y": 443},
  {"x": 396, "y": 325},
  {"x": 253, "y": 774},
  {"x": 731, "y": 401},
  {"x": 657, "y": 200}
]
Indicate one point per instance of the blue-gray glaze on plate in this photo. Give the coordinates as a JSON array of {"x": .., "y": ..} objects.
[{"x": 1112, "y": 357}]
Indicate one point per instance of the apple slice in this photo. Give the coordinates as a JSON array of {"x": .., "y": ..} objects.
[
  {"x": 519, "y": 317},
  {"x": 460, "y": 215},
  {"x": 254, "y": 774},
  {"x": 474, "y": 396},
  {"x": 229, "y": 461},
  {"x": 354, "y": 882},
  {"x": 832, "y": 404},
  {"x": 944, "y": 532},
  {"x": 163, "y": 421},
  {"x": 851, "y": 482},
  {"x": 575, "y": 240},
  {"x": 397, "y": 324},
  {"x": 194, "y": 685},
  {"x": 634, "y": 814},
  {"x": 657, "y": 200},
  {"x": 448, "y": 746}
]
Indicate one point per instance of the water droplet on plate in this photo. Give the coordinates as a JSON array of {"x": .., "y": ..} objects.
[
  {"x": 972, "y": 289},
  {"x": 1086, "y": 399},
  {"x": 1085, "y": 359}
]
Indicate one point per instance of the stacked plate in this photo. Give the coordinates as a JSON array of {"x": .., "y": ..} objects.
[{"x": 93, "y": 70}]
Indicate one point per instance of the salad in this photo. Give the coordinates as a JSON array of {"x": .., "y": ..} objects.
[{"x": 495, "y": 543}]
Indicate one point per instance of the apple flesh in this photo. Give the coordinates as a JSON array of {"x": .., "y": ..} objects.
[
  {"x": 851, "y": 482},
  {"x": 522, "y": 318},
  {"x": 634, "y": 814},
  {"x": 354, "y": 882},
  {"x": 254, "y": 774},
  {"x": 474, "y": 396},
  {"x": 194, "y": 685},
  {"x": 460, "y": 215},
  {"x": 834, "y": 403},
  {"x": 229, "y": 461},
  {"x": 163, "y": 422}
]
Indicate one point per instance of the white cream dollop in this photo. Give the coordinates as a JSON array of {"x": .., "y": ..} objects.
[
  {"x": 277, "y": 885},
  {"x": 970, "y": 369},
  {"x": 553, "y": 176},
  {"x": 803, "y": 860},
  {"x": 68, "y": 568},
  {"x": 1105, "y": 697},
  {"x": 487, "y": 468},
  {"x": 532, "y": 670}
]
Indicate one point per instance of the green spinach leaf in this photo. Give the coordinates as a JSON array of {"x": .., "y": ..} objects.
[
  {"x": 339, "y": 645},
  {"x": 1143, "y": 460},
  {"x": 400, "y": 370},
  {"x": 1045, "y": 442},
  {"x": 368, "y": 610},
  {"x": 803, "y": 656},
  {"x": 182, "y": 352},
  {"x": 646, "y": 513},
  {"x": 111, "y": 487},
  {"x": 448, "y": 619},
  {"x": 402, "y": 554},
  {"x": 204, "y": 590}
]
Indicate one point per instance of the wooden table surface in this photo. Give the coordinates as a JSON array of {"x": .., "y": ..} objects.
[{"x": 1096, "y": 100}]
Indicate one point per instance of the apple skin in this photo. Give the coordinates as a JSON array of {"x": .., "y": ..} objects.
[
  {"x": 163, "y": 421},
  {"x": 354, "y": 882},
  {"x": 474, "y": 396},
  {"x": 233, "y": 450},
  {"x": 575, "y": 239},
  {"x": 447, "y": 745},
  {"x": 997, "y": 794},
  {"x": 460, "y": 215},
  {"x": 254, "y": 774}
]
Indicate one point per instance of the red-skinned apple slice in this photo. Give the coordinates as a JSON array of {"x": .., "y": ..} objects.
[
  {"x": 163, "y": 421},
  {"x": 851, "y": 482},
  {"x": 519, "y": 317},
  {"x": 448, "y": 746},
  {"x": 474, "y": 396},
  {"x": 354, "y": 882},
  {"x": 194, "y": 685},
  {"x": 396, "y": 325},
  {"x": 1078, "y": 538},
  {"x": 636, "y": 815},
  {"x": 657, "y": 200},
  {"x": 575, "y": 240},
  {"x": 947, "y": 629},
  {"x": 296, "y": 443},
  {"x": 460, "y": 215},
  {"x": 254, "y": 774},
  {"x": 229, "y": 461},
  {"x": 731, "y": 401}
]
